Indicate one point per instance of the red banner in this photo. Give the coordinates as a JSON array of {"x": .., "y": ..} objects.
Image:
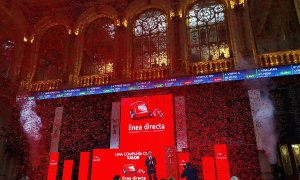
[
  {"x": 68, "y": 167},
  {"x": 222, "y": 164},
  {"x": 208, "y": 167},
  {"x": 129, "y": 164},
  {"x": 183, "y": 158},
  {"x": 52, "y": 169},
  {"x": 84, "y": 166},
  {"x": 147, "y": 123},
  {"x": 97, "y": 161}
]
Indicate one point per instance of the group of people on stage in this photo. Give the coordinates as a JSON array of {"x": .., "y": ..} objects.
[{"x": 189, "y": 172}]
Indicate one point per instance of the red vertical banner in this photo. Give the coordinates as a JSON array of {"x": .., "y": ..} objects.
[
  {"x": 84, "y": 166},
  {"x": 222, "y": 164},
  {"x": 148, "y": 123},
  {"x": 183, "y": 158},
  {"x": 208, "y": 167},
  {"x": 52, "y": 169},
  {"x": 68, "y": 167},
  {"x": 96, "y": 164}
]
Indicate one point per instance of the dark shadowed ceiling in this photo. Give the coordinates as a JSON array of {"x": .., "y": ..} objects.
[{"x": 35, "y": 9}]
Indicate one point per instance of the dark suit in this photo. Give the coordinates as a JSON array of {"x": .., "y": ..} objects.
[
  {"x": 151, "y": 169},
  {"x": 190, "y": 173}
]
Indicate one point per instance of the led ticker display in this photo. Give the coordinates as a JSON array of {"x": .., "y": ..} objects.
[
  {"x": 172, "y": 82},
  {"x": 296, "y": 69}
]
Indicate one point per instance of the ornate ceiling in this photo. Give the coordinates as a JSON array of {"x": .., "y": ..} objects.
[
  {"x": 53, "y": 4},
  {"x": 35, "y": 9}
]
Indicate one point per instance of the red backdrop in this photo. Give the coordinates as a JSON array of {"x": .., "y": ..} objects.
[
  {"x": 216, "y": 114},
  {"x": 150, "y": 128}
]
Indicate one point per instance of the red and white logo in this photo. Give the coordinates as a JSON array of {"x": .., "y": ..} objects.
[
  {"x": 139, "y": 110},
  {"x": 53, "y": 162},
  {"x": 96, "y": 159},
  {"x": 221, "y": 156}
]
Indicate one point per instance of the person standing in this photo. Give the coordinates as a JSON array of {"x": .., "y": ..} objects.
[
  {"x": 117, "y": 177},
  {"x": 151, "y": 166},
  {"x": 189, "y": 172}
]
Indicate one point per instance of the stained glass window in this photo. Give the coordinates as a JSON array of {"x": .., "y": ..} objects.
[
  {"x": 6, "y": 53},
  {"x": 99, "y": 48},
  {"x": 207, "y": 31},
  {"x": 150, "y": 40}
]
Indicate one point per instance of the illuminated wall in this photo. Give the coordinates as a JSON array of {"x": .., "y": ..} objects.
[{"x": 216, "y": 114}]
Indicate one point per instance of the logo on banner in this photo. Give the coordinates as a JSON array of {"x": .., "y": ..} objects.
[
  {"x": 221, "y": 156},
  {"x": 131, "y": 169},
  {"x": 53, "y": 162},
  {"x": 96, "y": 159},
  {"x": 140, "y": 110}
]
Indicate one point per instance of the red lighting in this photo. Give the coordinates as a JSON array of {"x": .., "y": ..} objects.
[
  {"x": 84, "y": 166},
  {"x": 208, "y": 165},
  {"x": 52, "y": 166},
  {"x": 68, "y": 167},
  {"x": 222, "y": 164}
]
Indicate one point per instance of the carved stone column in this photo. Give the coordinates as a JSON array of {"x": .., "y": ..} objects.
[
  {"x": 184, "y": 39},
  {"x": 128, "y": 40},
  {"x": 76, "y": 56},
  {"x": 15, "y": 69},
  {"x": 241, "y": 36},
  {"x": 120, "y": 53},
  {"x": 70, "y": 65},
  {"x": 297, "y": 7},
  {"x": 26, "y": 70},
  {"x": 177, "y": 46}
]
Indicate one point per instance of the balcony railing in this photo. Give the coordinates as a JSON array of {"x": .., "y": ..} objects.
[
  {"x": 151, "y": 73},
  {"x": 47, "y": 85},
  {"x": 205, "y": 67},
  {"x": 94, "y": 80},
  {"x": 279, "y": 58}
]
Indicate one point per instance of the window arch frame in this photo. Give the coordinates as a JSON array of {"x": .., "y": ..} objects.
[
  {"x": 86, "y": 28},
  {"x": 38, "y": 54},
  {"x": 224, "y": 46},
  {"x": 166, "y": 39}
]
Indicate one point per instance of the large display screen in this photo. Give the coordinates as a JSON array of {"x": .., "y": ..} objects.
[
  {"x": 147, "y": 123},
  {"x": 128, "y": 164}
]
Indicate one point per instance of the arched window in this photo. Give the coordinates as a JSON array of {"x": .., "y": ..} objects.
[
  {"x": 99, "y": 48},
  {"x": 6, "y": 56},
  {"x": 150, "y": 40},
  {"x": 52, "y": 53},
  {"x": 208, "y": 39}
]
